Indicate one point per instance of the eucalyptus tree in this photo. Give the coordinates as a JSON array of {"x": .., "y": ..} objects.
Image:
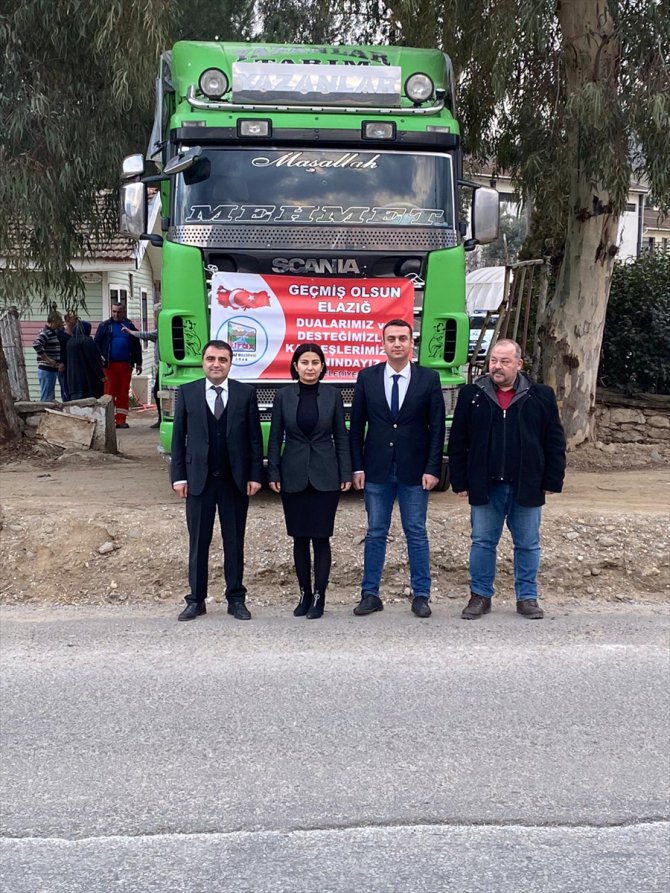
[
  {"x": 215, "y": 20},
  {"x": 321, "y": 21},
  {"x": 572, "y": 98},
  {"x": 76, "y": 96}
]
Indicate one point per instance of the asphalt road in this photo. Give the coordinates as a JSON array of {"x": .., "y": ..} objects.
[{"x": 382, "y": 753}]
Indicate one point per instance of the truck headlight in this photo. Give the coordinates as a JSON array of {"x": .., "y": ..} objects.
[
  {"x": 213, "y": 83},
  {"x": 419, "y": 87}
]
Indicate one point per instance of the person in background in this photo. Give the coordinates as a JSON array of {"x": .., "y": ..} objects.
[
  {"x": 63, "y": 334},
  {"x": 397, "y": 436},
  {"x": 73, "y": 321},
  {"x": 48, "y": 350},
  {"x": 120, "y": 354},
  {"x": 85, "y": 373},
  {"x": 151, "y": 336},
  {"x": 506, "y": 451},
  {"x": 310, "y": 471}
]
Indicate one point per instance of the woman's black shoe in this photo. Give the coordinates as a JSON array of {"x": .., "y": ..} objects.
[
  {"x": 316, "y": 608},
  {"x": 305, "y": 601}
]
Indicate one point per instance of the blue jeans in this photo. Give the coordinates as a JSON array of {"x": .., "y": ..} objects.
[
  {"x": 523, "y": 523},
  {"x": 413, "y": 503},
  {"x": 47, "y": 382}
]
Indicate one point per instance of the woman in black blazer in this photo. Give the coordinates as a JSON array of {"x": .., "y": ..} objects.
[{"x": 311, "y": 471}]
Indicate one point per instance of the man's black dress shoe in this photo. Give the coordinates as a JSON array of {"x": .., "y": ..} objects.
[
  {"x": 239, "y": 610},
  {"x": 368, "y": 605},
  {"x": 421, "y": 608},
  {"x": 193, "y": 610}
]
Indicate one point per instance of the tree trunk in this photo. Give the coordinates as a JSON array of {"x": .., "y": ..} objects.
[
  {"x": 573, "y": 327},
  {"x": 10, "y": 425},
  {"x": 10, "y": 338}
]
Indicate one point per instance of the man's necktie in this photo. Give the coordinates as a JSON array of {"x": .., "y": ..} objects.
[
  {"x": 395, "y": 397},
  {"x": 218, "y": 403}
]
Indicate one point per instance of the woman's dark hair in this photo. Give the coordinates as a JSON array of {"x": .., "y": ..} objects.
[{"x": 308, "y": 347}]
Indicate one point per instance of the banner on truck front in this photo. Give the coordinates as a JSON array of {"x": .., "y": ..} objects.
[{"x": 264, "y": 319}]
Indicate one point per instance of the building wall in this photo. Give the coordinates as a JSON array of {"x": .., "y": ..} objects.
[{"x": 629, "y": 230}]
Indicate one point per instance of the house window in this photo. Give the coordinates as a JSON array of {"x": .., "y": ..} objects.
[
  {"x": 144, "y": 309},
  {"x": 118, "y": 295}
]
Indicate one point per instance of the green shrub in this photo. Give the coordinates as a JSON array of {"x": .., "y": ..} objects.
[{"x": 636, "y": 341}]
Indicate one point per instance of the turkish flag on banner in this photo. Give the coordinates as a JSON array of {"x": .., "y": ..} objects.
[{"x": 264, "y": 319}]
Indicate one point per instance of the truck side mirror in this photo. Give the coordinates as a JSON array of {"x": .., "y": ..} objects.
[
  {"x": 133, "y": 210},
  {"x": 485, "y": 215},
  {"x": 133, "y": 166}
]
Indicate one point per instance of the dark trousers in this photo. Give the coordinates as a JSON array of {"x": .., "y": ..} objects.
[
  {"x": 154, "y": 394},
  {"x": 220, "y": 494}
]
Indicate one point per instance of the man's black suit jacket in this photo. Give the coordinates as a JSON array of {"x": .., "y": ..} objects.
[
  {"x": 190, "y": 436},
  {"x": 415, "y": 441}
]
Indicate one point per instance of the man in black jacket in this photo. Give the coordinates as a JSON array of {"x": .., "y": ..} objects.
[
  {"x": 506, "y": 450},
  {"x": 397, "y": 437},
  {"x": 217, "y": 461}
]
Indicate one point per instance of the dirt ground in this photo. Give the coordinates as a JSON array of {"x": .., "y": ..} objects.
[{"x": 87, "y": 528}]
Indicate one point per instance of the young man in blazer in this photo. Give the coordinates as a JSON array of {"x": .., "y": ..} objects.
[
  {"x": 217, "y": 460},
  {"x": 398, "y": 457}
]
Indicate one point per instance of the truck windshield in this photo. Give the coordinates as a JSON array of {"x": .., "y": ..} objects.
[{"x": 317, "y": 187}]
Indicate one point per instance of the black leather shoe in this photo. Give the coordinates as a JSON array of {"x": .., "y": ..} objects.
[
  {"x": 476, "y": 607},
  {"x": 368, "y": 605},
  {"x": 123, "y": 425},
  {"x": 421, "y": 608},
  {"x": 529, "y": 608},
  {"x": 239, "y": 610},
  {"x": 155, "y": 425},
  {"x": 193, "y": 610}
]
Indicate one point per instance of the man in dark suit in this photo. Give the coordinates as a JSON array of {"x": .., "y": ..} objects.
[
  {"x": 399, "y": 457},
  {"x": 217, "y": 460}
]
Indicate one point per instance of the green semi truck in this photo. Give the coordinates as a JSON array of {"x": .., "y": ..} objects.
[{"x": 309, "y": 193}]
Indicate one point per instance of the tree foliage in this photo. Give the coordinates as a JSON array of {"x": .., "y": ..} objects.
[
  {"x": 573, "y": 100},
  {"x": 215, "y": 20},
  {"x": 512, "y": 61},
  {"x": 76, "y": 97},
  {"x": 321, "y": 21},
  {"x": 636, "y": 343}
]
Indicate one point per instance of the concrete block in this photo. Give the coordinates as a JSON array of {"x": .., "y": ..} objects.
[
  {"x": 66, "y": 430},
  {"x": 102, "y": 413}
]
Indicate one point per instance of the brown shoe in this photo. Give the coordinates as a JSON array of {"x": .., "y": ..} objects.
[
  {"x": 529, "y": 608},
  {"x": 476, "y": 607}
]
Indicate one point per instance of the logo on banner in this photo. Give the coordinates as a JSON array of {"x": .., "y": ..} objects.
[{"x": 247, "y": 314}]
